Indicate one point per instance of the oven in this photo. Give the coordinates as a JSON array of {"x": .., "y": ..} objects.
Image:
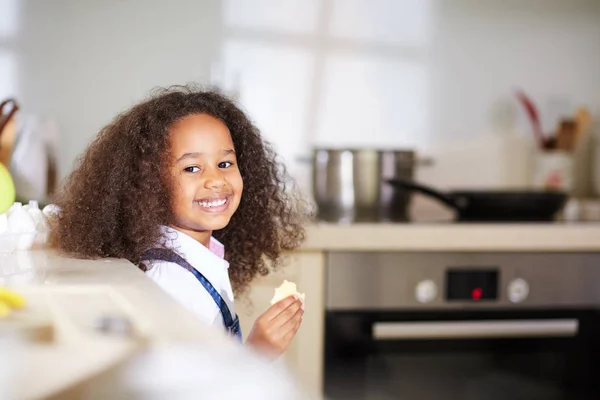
[{"x": 466, "y": 326}]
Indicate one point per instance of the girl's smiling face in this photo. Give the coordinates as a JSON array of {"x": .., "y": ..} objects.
[{"x": 207, "y": 183}]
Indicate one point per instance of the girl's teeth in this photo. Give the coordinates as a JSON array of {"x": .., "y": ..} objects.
[{"x": 214, "y": 203}]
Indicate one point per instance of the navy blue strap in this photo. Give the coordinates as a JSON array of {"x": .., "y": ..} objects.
[{"x": 231, "y": 324}]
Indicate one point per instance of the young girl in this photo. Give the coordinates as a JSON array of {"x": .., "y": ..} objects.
[{"x": 183, "y": 186}]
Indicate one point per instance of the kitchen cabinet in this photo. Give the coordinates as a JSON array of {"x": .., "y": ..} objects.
[
  {"x": 306, "y": 267},
  {"x": 303, "y": 357}
]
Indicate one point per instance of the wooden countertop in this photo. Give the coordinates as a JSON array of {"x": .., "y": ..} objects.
[{"x": 453, "y": 237}]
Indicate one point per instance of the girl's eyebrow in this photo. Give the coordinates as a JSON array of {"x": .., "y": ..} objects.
[
  {"x": 225, "y": 152},
  {"x": 188, "y": 155}
]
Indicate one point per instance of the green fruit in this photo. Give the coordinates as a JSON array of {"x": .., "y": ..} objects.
[{"x": 7, "y": 190}]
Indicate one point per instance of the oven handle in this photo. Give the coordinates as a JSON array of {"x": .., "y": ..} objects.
[{"x": 475, "y": 329}]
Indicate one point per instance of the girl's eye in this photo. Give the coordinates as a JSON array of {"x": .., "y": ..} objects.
[
  {"x": 225, "y": 164},
  {"x": 192, "y": 169}
]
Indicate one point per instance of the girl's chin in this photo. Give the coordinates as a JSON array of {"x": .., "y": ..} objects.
[{"x": 215, "y": 222}]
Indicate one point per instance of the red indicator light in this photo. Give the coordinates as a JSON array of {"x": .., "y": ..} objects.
[{"x": 476, "y": 293}]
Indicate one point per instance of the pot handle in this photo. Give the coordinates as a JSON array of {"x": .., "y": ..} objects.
[{"x": 409, "y": 185}]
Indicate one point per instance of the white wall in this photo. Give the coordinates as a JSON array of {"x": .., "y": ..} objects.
[
  {"x": 84, "y": 61},
  {"x": 432, "y": 75},
  {"x": 9, "y": 31}
]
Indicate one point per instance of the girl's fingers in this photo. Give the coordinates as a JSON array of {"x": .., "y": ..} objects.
[
  {"x": 284, "y": 316},
  {"x": 292, "y": 324},
  {"x": 279, "y": 307}
]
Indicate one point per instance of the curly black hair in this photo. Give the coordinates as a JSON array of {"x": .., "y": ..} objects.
[{"x": 114, "y": 202}]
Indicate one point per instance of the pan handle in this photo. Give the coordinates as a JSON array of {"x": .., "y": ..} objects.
[{"x": 410, "y": 185}]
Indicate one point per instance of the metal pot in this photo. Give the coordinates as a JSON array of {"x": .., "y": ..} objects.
[{"x": 349, "y": 185}]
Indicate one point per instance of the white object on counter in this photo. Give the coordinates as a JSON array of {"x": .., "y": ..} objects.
[
  {"x": 42, "y": 234},
  {"x": 3, "y": 223},
  {"x": 19, "y": 220},
  {"x": 51, "y": 210},
  {"x": 16, "y": 205},
  {"x": 33, "y": 208},
  {"x": 26, "y": 241},
  {"x": 21, "y": 232},
  {"x": 41, "y": 225},
  {"x": 25, "y": 225}
]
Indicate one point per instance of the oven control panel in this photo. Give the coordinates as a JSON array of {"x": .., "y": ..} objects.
[
  {"x": 397, "y": 281},
  {"x": 518, "y": 290},
  {"x": 427, "y": 290},
  {"x": 471, "y": 284}
]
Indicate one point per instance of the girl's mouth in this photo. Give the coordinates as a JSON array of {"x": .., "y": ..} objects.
[{"x": 214, "y": 204}]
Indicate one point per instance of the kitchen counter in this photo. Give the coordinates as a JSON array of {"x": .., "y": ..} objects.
[
  {"x": 453, "y": 237},
  {"x": 71, "y": 296},
  {"x": 78, "y": 292},
  {"x": 307, "y": 267}
]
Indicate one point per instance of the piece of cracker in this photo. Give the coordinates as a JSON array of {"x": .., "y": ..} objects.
[{"x": 286, "y": 289}]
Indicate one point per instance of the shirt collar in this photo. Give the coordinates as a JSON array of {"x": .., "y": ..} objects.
[
  {"x": 217, "y": 247},
  {"x": 192, "y": 250}
]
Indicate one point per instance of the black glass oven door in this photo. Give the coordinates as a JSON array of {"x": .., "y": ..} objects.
[{"x": 462, "y": 356}]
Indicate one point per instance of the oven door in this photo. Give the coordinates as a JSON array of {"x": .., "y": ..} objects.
[{"x": 494, "y": 354}]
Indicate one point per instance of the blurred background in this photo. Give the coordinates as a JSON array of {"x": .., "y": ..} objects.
[
  {"x": 396, "y": 118},
  {"x": 437, "y": 79}
]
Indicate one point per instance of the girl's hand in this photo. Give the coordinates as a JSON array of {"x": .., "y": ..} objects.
[{"x": 274, "y": 330}]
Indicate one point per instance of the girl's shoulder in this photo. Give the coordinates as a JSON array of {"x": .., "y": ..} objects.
[{"x": 167, "y": 273}]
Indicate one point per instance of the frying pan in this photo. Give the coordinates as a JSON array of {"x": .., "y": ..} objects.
[{"x": 493, "y": 206}]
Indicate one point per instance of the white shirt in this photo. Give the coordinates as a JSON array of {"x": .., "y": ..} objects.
[{"x": 183, "y": 285}]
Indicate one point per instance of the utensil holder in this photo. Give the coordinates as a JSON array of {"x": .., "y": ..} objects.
[{"x": 553, "y": 170}]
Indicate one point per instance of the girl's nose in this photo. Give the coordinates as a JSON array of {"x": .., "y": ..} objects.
[{"x": 213, "y": 179}]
